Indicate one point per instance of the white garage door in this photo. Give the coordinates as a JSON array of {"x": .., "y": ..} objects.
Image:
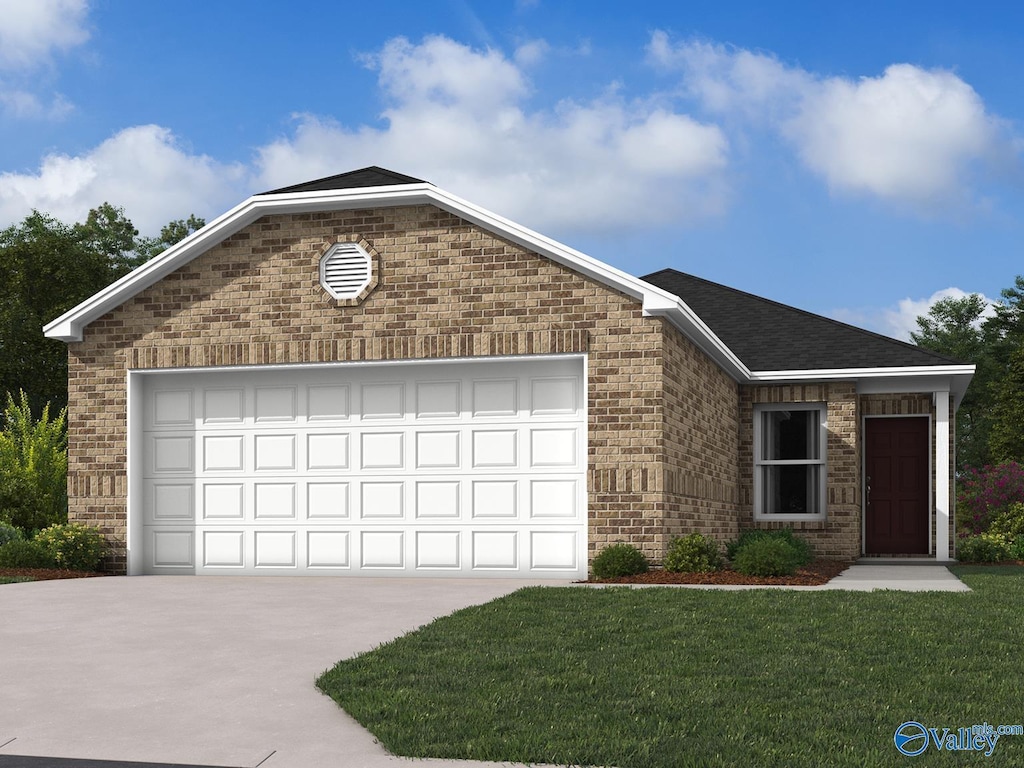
[{"x": 461, "y": 468}]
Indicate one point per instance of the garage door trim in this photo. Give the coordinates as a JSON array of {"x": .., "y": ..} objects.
[{"x": 138, "y": 379}]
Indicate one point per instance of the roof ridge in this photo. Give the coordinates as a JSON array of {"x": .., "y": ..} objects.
[
  {"x": 328, "y": 182},
  {"x": 806, "y": 313}
]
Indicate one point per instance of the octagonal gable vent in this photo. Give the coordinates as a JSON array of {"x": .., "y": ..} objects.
[{"x": 345, "y": 270}]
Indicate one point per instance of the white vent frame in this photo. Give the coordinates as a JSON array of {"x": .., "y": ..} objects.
[{"x": 346, "y": 270}]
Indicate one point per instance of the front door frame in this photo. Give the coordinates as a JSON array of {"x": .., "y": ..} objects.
[{"x": 864, "y": 473}]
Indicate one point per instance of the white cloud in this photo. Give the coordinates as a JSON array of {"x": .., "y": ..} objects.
[
  {"x": 456, "y": 117},
  {"x": 24, "y": 105},
  {"x": 910, "y": 136},
  {"x": 143, "y": 169},
  {"x": 30, "y": 30},
  {"x": 898, "y": 322}
]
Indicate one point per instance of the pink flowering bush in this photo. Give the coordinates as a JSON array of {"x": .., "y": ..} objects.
[{"x": 983, "y": 494}]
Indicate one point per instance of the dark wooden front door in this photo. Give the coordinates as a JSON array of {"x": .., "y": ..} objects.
[{"x": 896, "y": 486}]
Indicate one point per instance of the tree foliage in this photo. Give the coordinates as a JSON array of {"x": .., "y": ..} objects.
[
  {"x": 990, "y": 420},
  {"x": 46, "y": 268},
  {"x": 33, "y": 466}
]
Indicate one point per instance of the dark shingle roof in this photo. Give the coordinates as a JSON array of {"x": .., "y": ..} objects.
[
  {"x": 768, "y": 336},
  {"x": 364, "y": 177}
]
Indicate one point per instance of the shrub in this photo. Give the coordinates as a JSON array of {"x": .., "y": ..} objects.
[
  {"x": 767, "y": 556},
  {"x": 25, "y": 554},
  {"x": 75, "y": 546},
  {"x": 9, "y": 533},
  {"x": 619, "y": 560},
  {"x": 983, "y": 548},
  {"x": 692, "y": 554},
  {"x": 804, "y": 552},
  {"x": 33, "y": 467},
  {"x": 1009, "y": 522},
  {"x": 983, "y": 494}
]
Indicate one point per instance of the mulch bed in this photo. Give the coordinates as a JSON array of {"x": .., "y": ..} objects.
[
  {"x": 813, "y": 574},
  {"x": 45, "y": 574}
]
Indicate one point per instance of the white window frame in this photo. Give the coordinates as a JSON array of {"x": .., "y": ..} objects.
[{"x": 760, "y": 462}]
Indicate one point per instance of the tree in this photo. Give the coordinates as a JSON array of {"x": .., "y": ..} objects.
[
  {"x": 173, "y": 232},
  {"x": 955, "y": 327},
  {"x": 46, "y": 268},
  {"x": 990, "y": 420}
]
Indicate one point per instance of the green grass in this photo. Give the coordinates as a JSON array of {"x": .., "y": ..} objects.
[
  {"x": 15, "y": 579},
  {"x": 680, "y": 677}
]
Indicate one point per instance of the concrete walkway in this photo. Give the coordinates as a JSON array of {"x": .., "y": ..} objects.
[
  {"x": 219, "y": 671},
  {"x": 904, "y": 577}
]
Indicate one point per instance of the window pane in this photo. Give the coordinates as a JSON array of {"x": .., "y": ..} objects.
[
  {"x": 790, "y": 435},
  {"x": 791, "y": 489}
]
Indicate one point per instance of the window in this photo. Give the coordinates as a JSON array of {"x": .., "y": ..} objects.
[{"x": 789, "y": 461}]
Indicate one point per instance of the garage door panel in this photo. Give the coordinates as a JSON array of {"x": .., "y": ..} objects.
[
  {"x": 275, "y": 549},
  {"x": 170, "y": 502},
  {"x": 276, "y": 405},
  {"x": 224, "y": 406},
  {"x": 327, "y": 403},
  {"x": 384, "y": 549},
  {"x": 382, "y": 401},
  {"x": 172, "y": 549},
  {"x": 438, "y": 400},
  {"x": 222, "y": 548},
  {"x": 438, "y": 500},
  {"x": 327, "y": 501},
  {"x": 438, "y": 550},
  {"x": 441, "y": 468},
  {"x": 223, "y": 501},
  {"x": 495, "y": 448},
  {"x": 223, "y": 453},
  {"x": 172, "y": 408},
  {"x": 495, "y": 550},
  {"x": 328, "y": 549},
  {"x": 327, "y": 451}
]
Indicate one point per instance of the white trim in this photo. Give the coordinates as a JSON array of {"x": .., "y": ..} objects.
[
  {"x": 864, "y": 473},
  {"x": 656, "y": 302},
  {"x": 820, "y": 407},
  {"x": 134, "y": 533},
  {"x": 942, "y": 458}
]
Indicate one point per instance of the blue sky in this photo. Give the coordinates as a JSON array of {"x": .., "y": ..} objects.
[{"x": 857, "y": 160}]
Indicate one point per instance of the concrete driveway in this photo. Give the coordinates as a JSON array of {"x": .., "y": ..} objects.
[{"x": 203, "y": 670}]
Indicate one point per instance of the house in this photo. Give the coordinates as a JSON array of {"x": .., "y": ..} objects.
[{"x": 366, "y": 375}]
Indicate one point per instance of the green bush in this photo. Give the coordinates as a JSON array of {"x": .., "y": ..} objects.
[
  {"x": 75, "y": 547},
  {"x": 619, "y": 560},
  {"x": 9, "y": 533},
  {"x": 984, "y": 548},
  {"x": 25, "y": 554},
  {"x": 1009, "y": 522},
  {"x": 695, "y": 553},
  {"x": 804, "y": 551},
  {"x": 33, "y": 467},
  {"x": 767, "y": 556}
]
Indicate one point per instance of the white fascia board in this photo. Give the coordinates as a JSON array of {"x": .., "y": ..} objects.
[{"x": 655, "y": 301}]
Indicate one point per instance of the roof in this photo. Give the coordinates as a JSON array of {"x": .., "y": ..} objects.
[
  {"x": 718, "y": 321},
  {"x": 374, "y": 176},
  {"x": 769, "y": 336}
]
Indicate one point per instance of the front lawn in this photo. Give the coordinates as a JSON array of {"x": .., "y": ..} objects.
[{"x": 681, "y": 677}]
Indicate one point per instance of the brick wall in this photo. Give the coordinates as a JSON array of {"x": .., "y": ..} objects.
[
  {"x": 444, "y": 289},
  {"x": 839, "y": 535},
  {"x": 701, "y": 438}
]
